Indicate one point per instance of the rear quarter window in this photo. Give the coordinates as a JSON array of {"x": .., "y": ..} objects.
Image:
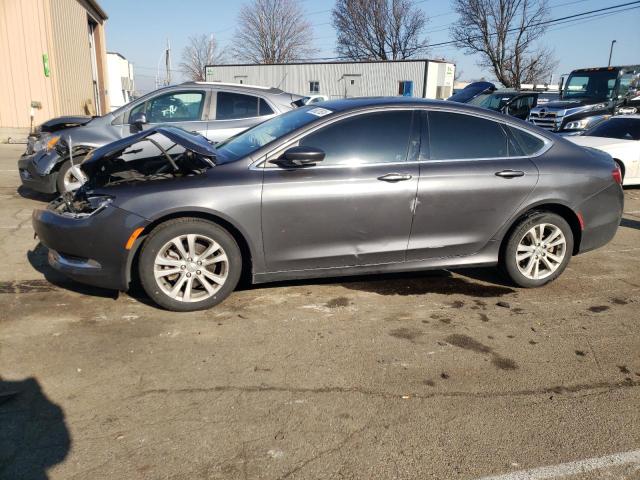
[{"x": 530, "y": 144}]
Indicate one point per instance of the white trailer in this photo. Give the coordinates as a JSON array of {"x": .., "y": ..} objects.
[{"x": 415, "y": 78}]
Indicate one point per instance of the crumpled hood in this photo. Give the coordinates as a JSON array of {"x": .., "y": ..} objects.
[{"x": 60, "y": 123}]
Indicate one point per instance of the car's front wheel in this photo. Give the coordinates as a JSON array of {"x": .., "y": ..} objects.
[
  {"x": 537, "y": 250},
  {"x": 189, "y": 264}
]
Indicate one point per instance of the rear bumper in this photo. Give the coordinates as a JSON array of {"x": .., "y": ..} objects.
[
  {"x": 35, "y": 179},
  {"x": 602, "y": 214},
  {"x": 89, "y": 250}
]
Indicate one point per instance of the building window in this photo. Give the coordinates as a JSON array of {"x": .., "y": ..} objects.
[
  {"x": 314, "y": 87},
  {"x": 405, "y": 88}
]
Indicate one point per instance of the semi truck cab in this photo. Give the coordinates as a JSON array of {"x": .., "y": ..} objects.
[{"x": 589, "y": 96}]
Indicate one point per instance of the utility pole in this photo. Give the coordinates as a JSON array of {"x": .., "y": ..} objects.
[
  {"x": 168, "y": 63},
  {"x": 611, "y": 52}
]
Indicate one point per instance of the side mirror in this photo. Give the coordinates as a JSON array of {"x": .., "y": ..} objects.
[
  {"x": 299, "y": 157},
  {"x": 137, "y": 120}
]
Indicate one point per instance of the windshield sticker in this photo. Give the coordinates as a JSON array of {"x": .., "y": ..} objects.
[{"x": 319, "y": 112}]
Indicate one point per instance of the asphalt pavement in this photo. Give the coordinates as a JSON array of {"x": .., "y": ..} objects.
[{"x": 411, "y": 376}]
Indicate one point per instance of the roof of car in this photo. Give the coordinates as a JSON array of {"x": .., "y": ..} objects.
[
  {"x": 343, "y": 104},
  {"x": 364, "y": 102},
  {"x": 239, "y": 86}
]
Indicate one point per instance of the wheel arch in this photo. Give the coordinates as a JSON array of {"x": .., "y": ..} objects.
[
  {"x": 245, "y": 248},
  {"x": 567, "y": 213}
]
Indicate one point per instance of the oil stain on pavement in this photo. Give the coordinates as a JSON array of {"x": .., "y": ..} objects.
[{"x": 468, "y": 343}]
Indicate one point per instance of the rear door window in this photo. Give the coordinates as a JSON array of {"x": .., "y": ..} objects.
[
  {"x": 461, "y": 136},
  {"x": 234, "y": 106}
]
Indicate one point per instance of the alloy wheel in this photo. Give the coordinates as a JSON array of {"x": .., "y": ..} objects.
[
  {"x": 541, "y": 251},
  {"x": 73, "y": 178},
  {"x": 191, "y": 268}
]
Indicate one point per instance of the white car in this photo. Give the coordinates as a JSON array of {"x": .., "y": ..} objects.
[
  {"x": 315, "y": 99},
  {"x": 619, "y": 137}
]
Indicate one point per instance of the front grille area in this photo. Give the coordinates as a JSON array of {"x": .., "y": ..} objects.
[{"x": 547, "y": 120}]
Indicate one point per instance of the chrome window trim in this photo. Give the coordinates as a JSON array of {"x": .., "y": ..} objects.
[{"x": 262, "y": 161}]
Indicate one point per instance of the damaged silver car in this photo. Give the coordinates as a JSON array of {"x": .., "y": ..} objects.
[{"x": 215, "y": 110}]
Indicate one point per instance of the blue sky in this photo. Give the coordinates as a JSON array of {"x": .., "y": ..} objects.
[{"x": 139, "y": 31}]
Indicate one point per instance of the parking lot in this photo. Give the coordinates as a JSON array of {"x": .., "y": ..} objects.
[{"x": 427, "y": 375}]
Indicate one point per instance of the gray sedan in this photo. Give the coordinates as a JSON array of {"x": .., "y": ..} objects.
[
  {"x": 216, "y": 110},
  {"x": 338, "y": 188}
]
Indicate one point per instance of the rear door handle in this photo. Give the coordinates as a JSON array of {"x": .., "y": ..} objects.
[
  {"x": 510, "y": 173},
  {"x": 395, "y": 177}
]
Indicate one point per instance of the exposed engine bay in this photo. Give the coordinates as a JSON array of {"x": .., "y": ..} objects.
[
  {"x": 157, "y": 154},
  {"x": 157, "y": 167}
]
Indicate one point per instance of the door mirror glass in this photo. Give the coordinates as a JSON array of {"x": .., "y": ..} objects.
[
  {"x": 137, "y": 120},
  {"x": 301, "y": 156}
]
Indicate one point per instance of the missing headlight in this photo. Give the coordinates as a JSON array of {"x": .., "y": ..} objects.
[{"x": 80, "y": 204}]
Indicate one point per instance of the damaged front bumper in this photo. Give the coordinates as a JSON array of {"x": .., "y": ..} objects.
[
  {"x": 89, "y": 248},
  {"x": 36, "y": 171}
]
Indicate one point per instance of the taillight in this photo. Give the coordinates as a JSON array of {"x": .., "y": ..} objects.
[{"x": 616, "y": 174}]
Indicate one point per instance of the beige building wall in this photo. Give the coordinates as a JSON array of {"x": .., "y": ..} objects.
[{"x": 60, "y": 29}]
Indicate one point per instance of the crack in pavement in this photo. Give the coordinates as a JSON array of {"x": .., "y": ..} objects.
[{"x": 558, "y": 390}]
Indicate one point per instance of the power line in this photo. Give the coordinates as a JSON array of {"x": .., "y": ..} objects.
[
  {"x": 515, "y": 29},
  {"x": 446, "y": 26}
]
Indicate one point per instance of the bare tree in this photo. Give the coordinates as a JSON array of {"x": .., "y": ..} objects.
[
  {"x": 201, "y": 51},
  {"x": 504, "y": 33},
  {"x": 273, "y": 31},
  {"x": 379, "y": 29}
]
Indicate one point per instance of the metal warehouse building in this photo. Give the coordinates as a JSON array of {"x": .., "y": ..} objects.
[
  {"x": 53, "y": 61},
  {"x": 416, "y": 78}
]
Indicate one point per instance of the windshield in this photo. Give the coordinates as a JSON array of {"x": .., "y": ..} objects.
[
  {"x": 492, "y": 102},
  {"x": 622, "y": 128},
  {"x": 596, "y": 85},
  {"x": 249, "y": 141}
]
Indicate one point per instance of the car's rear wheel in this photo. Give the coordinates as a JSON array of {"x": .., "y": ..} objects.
[
  {"x": 189, "y": 264},
  {"x": 69, "y": 178},
  {"x": 538, "y": 249}
]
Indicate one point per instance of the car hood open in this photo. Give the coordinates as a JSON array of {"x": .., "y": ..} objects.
[{"x": 190, "y": 141}]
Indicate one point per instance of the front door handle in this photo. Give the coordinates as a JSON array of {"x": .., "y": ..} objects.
[
  {"x": 510, "y": 173},
  {"x": 395, "y": 177}
]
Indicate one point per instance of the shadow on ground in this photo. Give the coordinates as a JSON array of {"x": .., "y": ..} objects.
[
  {"x": 413, "y": 283},
  {"x": 29, "y": 194},
  {"x": 479, "y": 283},
  {"x": 38, "y": 260},
  {"x": 34, "y": 435},
  {"x": 626, "y": 222}
]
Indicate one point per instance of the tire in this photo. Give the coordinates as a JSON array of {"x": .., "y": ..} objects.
[
  {"x": 61, "y": 185},
  {"x": 521, "y": 242},
  {"x": 220, "y": 267}
]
